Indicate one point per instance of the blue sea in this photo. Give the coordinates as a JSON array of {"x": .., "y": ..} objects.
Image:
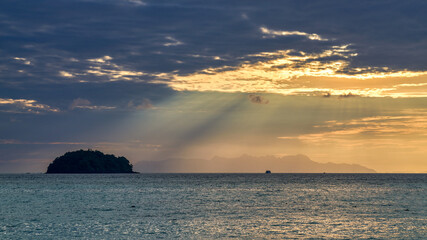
[{"x": 211, "y": 206}]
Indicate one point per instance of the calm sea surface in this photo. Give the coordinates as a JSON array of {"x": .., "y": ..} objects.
[{"x": 208, "y": 206}]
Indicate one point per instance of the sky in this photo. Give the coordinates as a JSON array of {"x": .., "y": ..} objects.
[{"x": 336, "y": 81}]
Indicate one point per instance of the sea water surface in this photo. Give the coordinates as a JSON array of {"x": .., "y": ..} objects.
[{"x": 210, "y": 206}]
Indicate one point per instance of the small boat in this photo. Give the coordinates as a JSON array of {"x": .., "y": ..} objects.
[{"x": 267, "y": 172}]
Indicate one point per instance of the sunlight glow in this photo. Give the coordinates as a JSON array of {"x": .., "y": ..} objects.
[
  {"x": 411, "y": 126},
  {"x": 287, "y": 71}
]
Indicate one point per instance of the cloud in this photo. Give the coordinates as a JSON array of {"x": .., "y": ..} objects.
[
  {"x": 347, "y": 95},
  {"x": 103, "y": 59},
  {"x": 291, "y": 72},
  {"x": 172, "y": 42},
  {"x": 17, "y": 142},
  {"x": 404, "y": 129},
  {"x": 135, "y": 143},
  {"x": 340, "y": 96},
  {"x": 23, "y": 60},
  {"x": 65, "y": 74},
  {"x": 411, "y": 85},
  {"x": 79, "y": 102},
  {"x": 78, "y": 50},
  {"x": 105, "y": 68},
  {"x": 257, "y": 99},
  {"x": 137, "y": 2},
  {"x": 275, "y": 33},
  {"x": 82, "y": 103},
  {"x": 144, "y": 104},
  {"x": 24, "y": 106}
]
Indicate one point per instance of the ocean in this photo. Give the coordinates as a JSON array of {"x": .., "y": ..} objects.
[{"x": 212, "y": 206}]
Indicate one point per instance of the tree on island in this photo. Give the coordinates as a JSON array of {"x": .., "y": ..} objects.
[{"x": 89, "y": 161}]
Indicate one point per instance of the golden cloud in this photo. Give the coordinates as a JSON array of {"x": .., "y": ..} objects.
[
  {"x": 25, "y": 106},
  {"x": 408, "y": 127},
  {"x": 289, "y": 72},
  {"x": 105, "y": 68}
]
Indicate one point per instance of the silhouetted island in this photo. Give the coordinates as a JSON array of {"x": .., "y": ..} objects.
[{"x": 89, "y": 161}]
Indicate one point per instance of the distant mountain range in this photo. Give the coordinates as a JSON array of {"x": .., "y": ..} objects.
[{"x": 249, "y": 164}]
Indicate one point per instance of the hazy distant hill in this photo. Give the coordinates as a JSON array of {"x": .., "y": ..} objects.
[{"x": 250, "y": 164}]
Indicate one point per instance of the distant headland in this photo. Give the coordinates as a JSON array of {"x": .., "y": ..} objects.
[
  {"x": 249, "y": 164},
  {"x": 89, "y": 161}
]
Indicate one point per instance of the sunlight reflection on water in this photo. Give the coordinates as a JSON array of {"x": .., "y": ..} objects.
[{"x": 213, "y": 206}]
